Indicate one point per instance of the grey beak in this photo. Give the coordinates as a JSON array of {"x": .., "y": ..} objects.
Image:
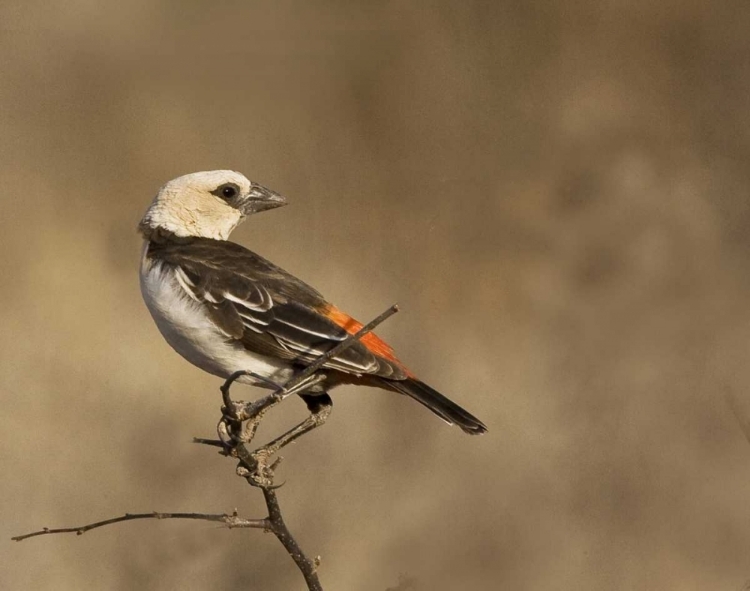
[{"x": 261, "y": 199}]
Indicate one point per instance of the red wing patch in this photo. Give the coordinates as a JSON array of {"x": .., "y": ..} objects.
[{"x": 374, "y": 343}]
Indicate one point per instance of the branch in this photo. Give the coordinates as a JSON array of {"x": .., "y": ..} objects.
[
  {"x": 260, "y": 475},
  {"x": 235, "y": 446},
  {"x": 306, "y": 566},
  {"x": 232, "y": 521}
]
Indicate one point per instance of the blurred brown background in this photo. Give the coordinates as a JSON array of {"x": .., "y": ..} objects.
[{"x": 555, "y": 193}]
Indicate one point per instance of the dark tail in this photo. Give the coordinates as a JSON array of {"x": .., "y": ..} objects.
[{"x": 443, "y": 407}]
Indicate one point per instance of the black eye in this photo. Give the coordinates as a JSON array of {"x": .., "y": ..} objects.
[{"x": 227, "y": 191}]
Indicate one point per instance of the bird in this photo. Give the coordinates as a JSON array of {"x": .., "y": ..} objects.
[{"x": 225, "y": 308}]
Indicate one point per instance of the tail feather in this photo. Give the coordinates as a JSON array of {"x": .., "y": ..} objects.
[{"x": 446, "y": 409}]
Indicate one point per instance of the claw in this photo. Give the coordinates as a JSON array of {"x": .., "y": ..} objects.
[
  {"x": 258, "y": 472},
  {"x": 226, "y": 433},
  {"x": 274, "y": 486},
  {"x": 240, "y": 421}
]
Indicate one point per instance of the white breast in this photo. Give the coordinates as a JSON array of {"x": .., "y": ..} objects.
[{"x": 187, "y": 327}]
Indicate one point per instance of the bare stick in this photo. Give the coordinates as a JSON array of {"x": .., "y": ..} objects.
[
  {"x": 315, "y": 365},
  {"x": 248, "y": 462},
  {"x": 249, "y": 466},
  {"x": 252, "y": 413},
  {"x": 230, "y": 521},
  {"x": 340, "y": 348}
]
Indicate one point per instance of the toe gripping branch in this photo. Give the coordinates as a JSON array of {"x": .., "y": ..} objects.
[
  {"x": 236, "y": 429},
  {"x": 240, "y": 420}
]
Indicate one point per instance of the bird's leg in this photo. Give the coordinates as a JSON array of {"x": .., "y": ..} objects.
[
  {"x": 320, "y": 407},
  {"x": 241, "y": 419},
  {"x": 317, "y": 417}
]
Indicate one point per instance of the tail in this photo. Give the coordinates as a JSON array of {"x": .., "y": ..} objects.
[{"x": 446, "y": 409}]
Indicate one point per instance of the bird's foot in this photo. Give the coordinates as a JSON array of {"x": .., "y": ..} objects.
[
  {"x": 259, "y": 469},
  {"x": 233, "y": 433},
  {"x": 240, "y": 420},
  {"x": 237, "y": 411}
]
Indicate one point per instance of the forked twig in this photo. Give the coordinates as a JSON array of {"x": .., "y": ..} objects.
[{"x": 248, "y": 463}]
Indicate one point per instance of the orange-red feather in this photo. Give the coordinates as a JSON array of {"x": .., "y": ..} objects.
[{"x": 374, "y": 343}]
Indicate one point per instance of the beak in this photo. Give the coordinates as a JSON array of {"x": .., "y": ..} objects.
[{"x": 261, "y": 199}]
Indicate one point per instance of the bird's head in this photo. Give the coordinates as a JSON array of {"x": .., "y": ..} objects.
[{"x": 207, "y": 204}]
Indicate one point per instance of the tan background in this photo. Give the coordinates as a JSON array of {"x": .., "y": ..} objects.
[{"x": 555, "y": 192}]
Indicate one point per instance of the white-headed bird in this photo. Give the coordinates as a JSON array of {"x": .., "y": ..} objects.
[{"x": 225, "y": 308}]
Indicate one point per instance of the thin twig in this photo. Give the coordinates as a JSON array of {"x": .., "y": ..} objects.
[
  {"x": 248, "y": 461},
  {"x": 279, "y": 528},
  {"x": 340, "y": 348},
  {"x": 297, "y": 379},
  {"x": 232, "y": 521},
  {"x": 230, "y": 427},
  {"x": 275, "y": 521}
]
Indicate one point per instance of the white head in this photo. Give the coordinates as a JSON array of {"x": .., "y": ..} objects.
[{"x": 207, "y": 204}]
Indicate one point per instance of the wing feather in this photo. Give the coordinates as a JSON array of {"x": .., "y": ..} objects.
[{"x": 269, "y": 311}]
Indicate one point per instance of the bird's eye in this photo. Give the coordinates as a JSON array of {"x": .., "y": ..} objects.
[{"x": 227, "y": 191}]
